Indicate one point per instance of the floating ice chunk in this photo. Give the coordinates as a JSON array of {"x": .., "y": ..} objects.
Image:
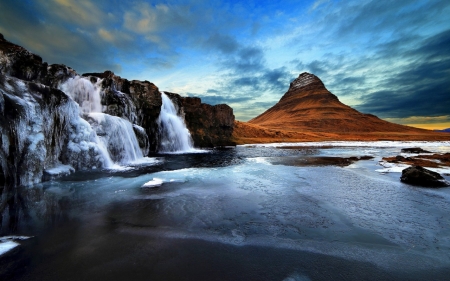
[
  {"x": 437, "y": 145},
  {"x": 153, "y": 183},
  {"x": 259, "y": 160},
  {"x": 58, "y": 171},
  {"x": 144, "y": 161},
  {"x": 392, "y": 167},
  {"x": 7, "y": 243},
  {"x": 399, "y": 167},
  {"x": 7, "y": 246}
]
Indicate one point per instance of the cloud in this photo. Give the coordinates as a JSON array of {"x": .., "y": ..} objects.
[
  {"x": 246, "y": 60},
  {"x": 420, "y": 87},
  {"x": 317, "y": 4},
  {"x": 421, "y": 119},
  {"x": 226, "y": 44},
  {"x": 82, "y": 13},
  {"x": 144, "y": 18},
  {"x": 37, "y": 29},
  {"x": 381, "y": 57}
]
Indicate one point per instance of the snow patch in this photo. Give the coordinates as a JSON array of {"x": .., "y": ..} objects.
[
  {"x": 58, "y": 171},
  {"x": 153, "y": 183},
  {"x": 7, "y": 243},
  {"x": 7, "y": 246},
  {"x": 399, "y": 167},
  {"x": 441, "y": 145}
]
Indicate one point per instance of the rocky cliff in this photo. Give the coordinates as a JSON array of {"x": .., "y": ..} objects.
[
  {"x": 209, "y": 125},
  {"x": 42, "y": 127}
]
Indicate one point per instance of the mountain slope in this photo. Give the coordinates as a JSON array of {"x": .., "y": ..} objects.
[
  {"x": 309, "y": 106},
  {"x": 309, "y": 112}
]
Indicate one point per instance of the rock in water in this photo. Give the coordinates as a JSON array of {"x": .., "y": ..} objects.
[
  {"x": 417, "y": 175},
  {"x": 417, "y": 150}
]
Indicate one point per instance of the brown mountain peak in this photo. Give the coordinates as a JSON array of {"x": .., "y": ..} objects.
[
  {"x": 305, "y": 81},
  {"x": 309, "y": 107}
]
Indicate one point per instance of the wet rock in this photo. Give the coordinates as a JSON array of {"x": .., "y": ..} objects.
[
  {"x": 399, "y": 158},
  {"x": 18, "y": 62},
  {"x": 142, "y": 138},
  {"x": 137, "y": 101},
  {"x": 40, "y": 127},
  {"x": 414, "y": 150},
  {"x": 417, "y": 175},
  {"x": 209, "y": 125}
]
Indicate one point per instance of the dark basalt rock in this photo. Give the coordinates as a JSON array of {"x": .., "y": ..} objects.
[
  {"x": 209, "y": 125},
  {"x": 142, "y": 138},
  {"x": 417, "y": 175},
  {"x": 40, "y": 128},
  {"x": 137, "y": 101},
  {"x": 414, "y": 150}
]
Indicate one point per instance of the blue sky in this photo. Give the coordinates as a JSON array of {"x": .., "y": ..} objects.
[{"x": 388, "y": 58}]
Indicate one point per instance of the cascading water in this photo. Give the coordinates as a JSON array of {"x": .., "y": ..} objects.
[
  {"x": 114, "y": 136},
  {"x": 117, "y": 135},
  {"x": 83, "y": 92},
  {"x": 175, "y": 137}
]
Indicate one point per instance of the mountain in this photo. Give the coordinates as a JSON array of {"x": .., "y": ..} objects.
[
  {"x": 308, "y": 111},
  {"x": 444, "y": 130}
]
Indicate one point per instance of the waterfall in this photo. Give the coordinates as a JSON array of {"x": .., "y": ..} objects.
[
  {"x": 83, "y": 92},
  {"x": 175, "y": 137},
  {"x": 117, "y": 135},
  {"x": 114, "y": 136}
]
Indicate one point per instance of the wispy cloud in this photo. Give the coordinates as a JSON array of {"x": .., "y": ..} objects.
[{"x": 389, "y": 58}]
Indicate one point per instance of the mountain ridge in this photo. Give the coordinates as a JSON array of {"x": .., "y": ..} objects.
[{"x": 308, "y": 111}]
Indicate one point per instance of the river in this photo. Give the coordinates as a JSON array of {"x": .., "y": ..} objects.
[{"x": 245, "y": 213}]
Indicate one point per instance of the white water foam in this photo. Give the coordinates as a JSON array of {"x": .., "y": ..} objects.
[
  {"x": 117, "y": 136},
  {"x": 175, "y": 137},
  {"x": 443, "y": 146},
  {"x": 114, "y": 136},
  {"x": 83, "y": 92}
]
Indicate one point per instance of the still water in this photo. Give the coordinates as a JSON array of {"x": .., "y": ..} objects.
[{"x": 247, "y": 213}]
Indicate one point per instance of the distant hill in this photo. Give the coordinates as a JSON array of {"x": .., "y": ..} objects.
[
  {"x": 443, "y": 131},
  {"x": 308, "y": 111}
]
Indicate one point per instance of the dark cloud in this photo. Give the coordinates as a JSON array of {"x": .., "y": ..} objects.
[
  {"x": 422, "y": 88},
  {"x": 225, "y": 99},
  {"x": 245, "y": 60},
  {"x": 374, "y": 18},
  {"x": 262, "y": 104},
  {"x": 353, "y": 80},
  {"x": 390, "y": 56},
  {"x": 391, "y": 59},
  {"x": 264, "y": 81},
  {"x": 278, "y": 78},
  {"x": 93, "y": 36},
  {"x": 224, "y": 43},
  {"x": 26, "y": 24}
]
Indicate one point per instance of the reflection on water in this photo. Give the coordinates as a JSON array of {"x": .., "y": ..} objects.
[{"x": 230, "y": 215}]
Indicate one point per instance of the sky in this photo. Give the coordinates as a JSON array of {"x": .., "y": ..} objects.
[{"x": 387, "y": 58}]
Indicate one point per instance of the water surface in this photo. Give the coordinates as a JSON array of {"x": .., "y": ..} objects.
[{"x": 235, "y": 214}]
